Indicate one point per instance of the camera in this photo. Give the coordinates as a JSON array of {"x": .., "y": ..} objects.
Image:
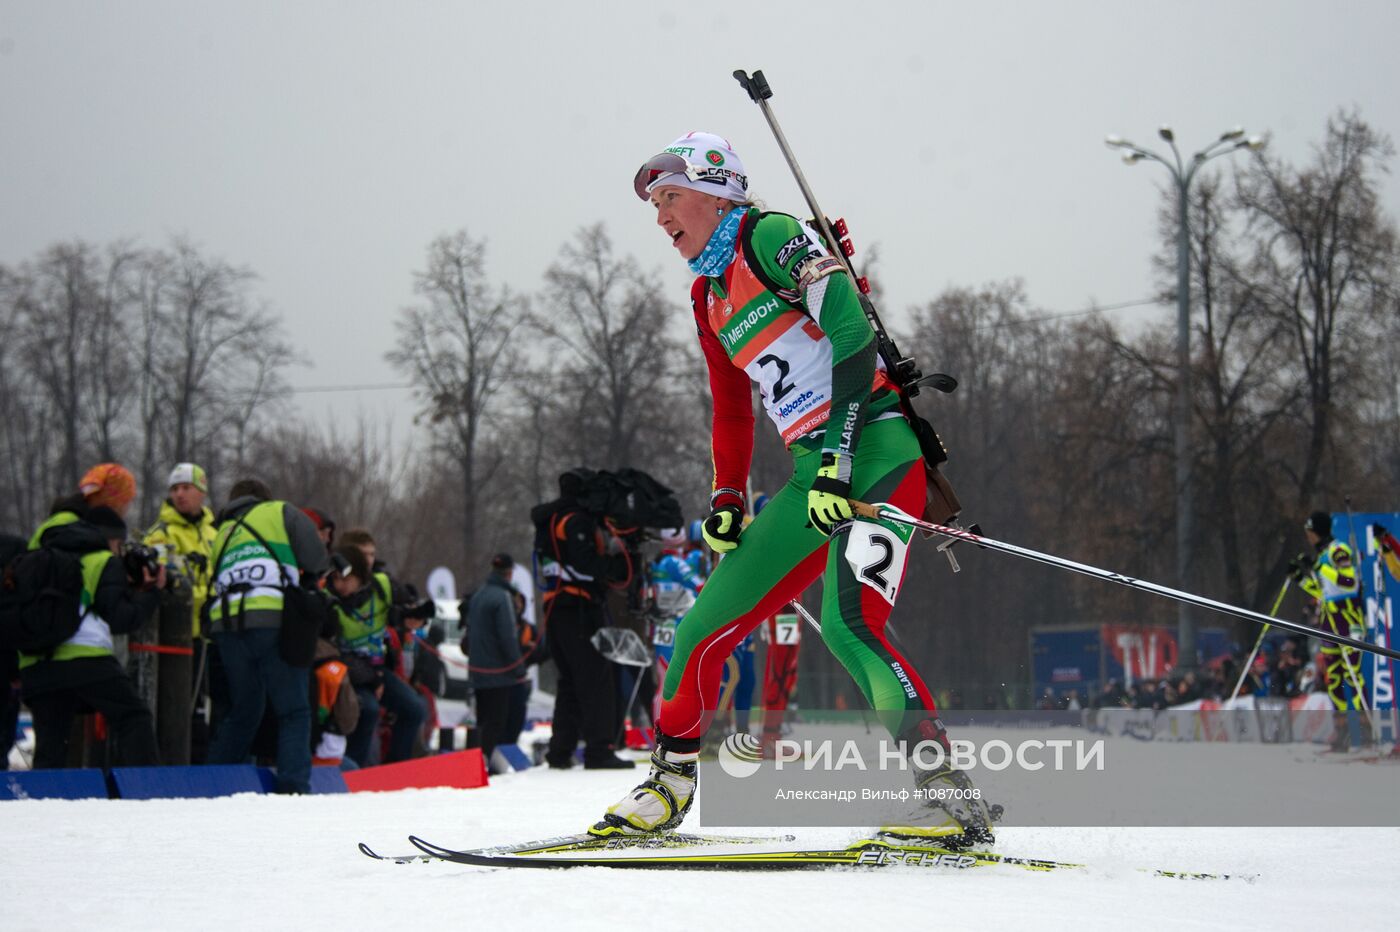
[
  {"x": 629, "y": 499},
  {"x": 138, "y": 559}
]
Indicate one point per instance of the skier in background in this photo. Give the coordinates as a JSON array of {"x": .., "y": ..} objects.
[
  {"x": 1334, "y": 582},
  {"x": 675, "y": 582}
]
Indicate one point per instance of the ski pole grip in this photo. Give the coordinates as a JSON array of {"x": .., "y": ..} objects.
[
  {"x": 756, "y": 86},
  {"x": 864, "y": 509}
]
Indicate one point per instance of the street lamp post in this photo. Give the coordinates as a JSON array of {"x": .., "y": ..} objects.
[{"x": 1182, "y": 175}]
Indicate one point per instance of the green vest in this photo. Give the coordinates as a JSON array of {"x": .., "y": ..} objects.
[
  {"x": 246, "y": 572},
  {"x": 362, "y": 630},
  {"x": 93, "y": 638},
  {"x": 54, "y": 520}
]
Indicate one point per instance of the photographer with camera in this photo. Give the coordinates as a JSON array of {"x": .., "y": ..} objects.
[
  {"x": 362, "y": 603},
  {"x": 119, "y": 594},
  {"x": 578, "y": 563},
  {"x": 266, "y": 558}
]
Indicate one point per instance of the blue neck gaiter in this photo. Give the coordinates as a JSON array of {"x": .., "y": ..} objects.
[{"x": 719, "y": 251}]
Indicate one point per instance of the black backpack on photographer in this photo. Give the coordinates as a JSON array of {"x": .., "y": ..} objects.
[{"x": 40, "y": 596}]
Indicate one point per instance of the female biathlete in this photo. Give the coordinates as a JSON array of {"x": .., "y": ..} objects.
[{"x": 772, "y": 305}]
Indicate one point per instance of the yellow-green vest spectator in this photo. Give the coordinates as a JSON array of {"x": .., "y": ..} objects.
[
  {"x": 94, "y": 637},
  {"x": 57, "y": 519},
  {"x": 362, "y": 629},
  {"x": 247, "y": 578}
]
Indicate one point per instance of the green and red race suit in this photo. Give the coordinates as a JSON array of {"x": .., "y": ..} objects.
[{"x": 806, "y": 341}]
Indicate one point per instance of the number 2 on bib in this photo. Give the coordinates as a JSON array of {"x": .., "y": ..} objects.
[
  {"x": 877, "y": 557},
  {"x": 779, "y": 389}
]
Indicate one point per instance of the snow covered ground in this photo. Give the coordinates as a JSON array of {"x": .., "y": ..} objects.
[{"x": 271, "y": 862}]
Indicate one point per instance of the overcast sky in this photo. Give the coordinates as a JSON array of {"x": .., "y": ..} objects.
[{"x": 324, "y": 145}]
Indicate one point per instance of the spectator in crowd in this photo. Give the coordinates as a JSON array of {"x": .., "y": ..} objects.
[
  {"x": 577, "y": 565},
  {"x": 325, "y": 527},
  {"x": 429, "y": 671},
  {"x": 261, "y": 541},
  {"x": 108, "y": 485},
  {"x": 82, "y": 673},
  {"x": 1111, "y": 696},
  {"x": 675, "y": 582},
  {"x": 1288, "y": 670},
  {"x": 407, "y": 615},
  {"x": 1163, "y": 694},
  {"x": 335, "y": 706},
  {"x": 361, "y": 601},
  {"x": 184, "y": 535},
  {"x": 1255, "y": 681},
  {"x": 534, "y": 650},
  {"x": 404, "y": 596},
  {"x": 497, "y": 664}
]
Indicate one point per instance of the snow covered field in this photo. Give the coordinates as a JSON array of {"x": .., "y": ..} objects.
[{"x": 271, "y": 862}]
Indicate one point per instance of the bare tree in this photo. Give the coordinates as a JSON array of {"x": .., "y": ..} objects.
[
  {"x": 209, "y": 359},
  {"x": 57, "y": 300},
  {"x": 221, "y": 353},
  {"x": 613, "y": 328},
  {"x": 108, "y": 374},
  {"x": 128, "y": 355},
  {"x": 459, "y": 352},
  {"x": 1241, "y": 391},
  {"x": 23, "y": 452},
  {"x": 1324, "y": 261}
]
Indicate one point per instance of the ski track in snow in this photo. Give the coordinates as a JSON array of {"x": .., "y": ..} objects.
[{"x": 272, "y": 862}]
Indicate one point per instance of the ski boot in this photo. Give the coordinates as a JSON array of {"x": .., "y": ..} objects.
[
  {"x": 966, "y": 817},
  {"x": 658, "y": 803}
]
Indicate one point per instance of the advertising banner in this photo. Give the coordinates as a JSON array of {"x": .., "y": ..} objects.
[{"x": 1380, "y": 588}]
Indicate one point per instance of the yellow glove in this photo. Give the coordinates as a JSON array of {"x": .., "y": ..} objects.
[
  {"x": 721, "y": 529},
  {"x": 828, "y": 501}
]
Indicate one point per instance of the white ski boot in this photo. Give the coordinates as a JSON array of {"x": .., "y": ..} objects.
[{"x": 658, "y": 803}]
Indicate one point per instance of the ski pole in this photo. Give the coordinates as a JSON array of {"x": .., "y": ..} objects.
[
  {"x": 1258, "y": 642},
  {"x": 806, "y": 616},
  {"x": 888, "y": 512}
]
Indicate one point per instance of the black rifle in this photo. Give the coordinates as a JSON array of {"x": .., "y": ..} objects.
[{"x": 903, "y": 370}]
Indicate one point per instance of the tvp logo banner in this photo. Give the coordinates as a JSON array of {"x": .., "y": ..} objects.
[{"x": 1144, "y": 652}]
